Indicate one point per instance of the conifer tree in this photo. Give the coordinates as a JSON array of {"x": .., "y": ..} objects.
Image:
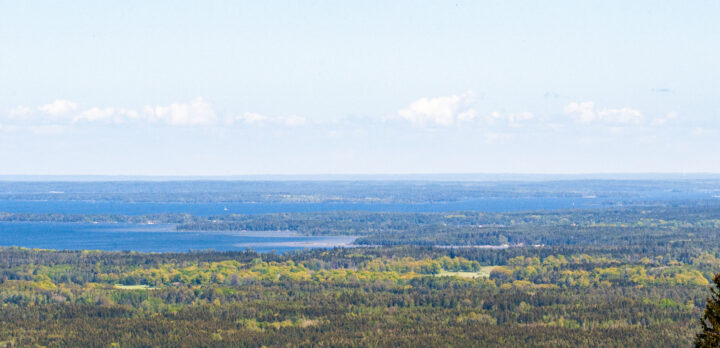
[{"x": 710, "y": 335}]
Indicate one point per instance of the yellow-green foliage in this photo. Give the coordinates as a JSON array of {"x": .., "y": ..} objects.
[
  {"x": 644, "y": 272},
  {"x": 225, "y": 271}
]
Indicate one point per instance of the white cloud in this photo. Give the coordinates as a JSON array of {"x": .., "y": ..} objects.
[
  {"x": 19, "y": 111},
  {"x": 439, "y": 111},
  {"x": 582, "y": 112},
  {"x": 292, "y": 121},
  {"x": 514, "y": 120},
  {"x": 521, "y": 116},
  {"x": 587, "y": 112},
  {"x": 197, "y": 112},
  {"x": 130, "y": 114},
  {"x": 95, "y": 114},
  {"x": 665, "y": 119},
  {"x": 624, "y": 115},
  {"x": 467, "y": 115},
  {"x": 59, "y": 107},
  {"x": 251, "y": 118},
  {"x": 449, "y": 110},
  {"x": 258, "y": 119},
  {"x": 442, "y": 111}
]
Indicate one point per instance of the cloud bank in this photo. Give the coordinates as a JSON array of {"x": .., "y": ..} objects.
[
  {"x": 458, "y": 109},
  {"x": 450, "y": 111},
  {"x": 196, "y": 113},
  {"x": 587, "y": 112},
  {"x": 443, "y": 111}
]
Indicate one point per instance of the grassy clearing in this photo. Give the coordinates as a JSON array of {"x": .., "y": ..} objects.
[
  {"x": 484, "y": 272},
  {"x": 134, "y": 287}
]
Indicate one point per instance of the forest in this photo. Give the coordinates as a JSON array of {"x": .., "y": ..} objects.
[
  {"x": 385, "y": 296},
  {"x": 612, "y": 276}
]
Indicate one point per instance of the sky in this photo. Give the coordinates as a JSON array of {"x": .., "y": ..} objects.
[{"x": 357, "y": 87}]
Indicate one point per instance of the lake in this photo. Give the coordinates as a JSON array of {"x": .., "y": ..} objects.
[
  {"x": 208, "y": 209},
  {"x": 153, "y": 238},
  {"x": 164, "y": 238}
]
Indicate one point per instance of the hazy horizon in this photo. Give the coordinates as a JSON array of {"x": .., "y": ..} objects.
[{"x": 449, "y": 177}]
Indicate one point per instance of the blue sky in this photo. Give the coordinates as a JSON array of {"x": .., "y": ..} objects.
[{"x": 270, "y": 87}]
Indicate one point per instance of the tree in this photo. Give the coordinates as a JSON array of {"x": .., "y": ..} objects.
[{"x": 710, "y": 335}]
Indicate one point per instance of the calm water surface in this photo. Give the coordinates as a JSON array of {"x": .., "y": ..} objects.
[
  {"x": 152, "y": 238},
  {"x": 164, "y": 238}
]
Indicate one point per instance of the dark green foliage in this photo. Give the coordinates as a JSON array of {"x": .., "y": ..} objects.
[{"x": 710, "y": 335}]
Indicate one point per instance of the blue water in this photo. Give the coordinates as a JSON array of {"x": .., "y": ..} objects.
[
  {"x": 207, "y": 209},
  {"x": 164, "y": 238},
  {"x": 151, "y": 238}
]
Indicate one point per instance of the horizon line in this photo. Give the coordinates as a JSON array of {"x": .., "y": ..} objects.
[{"x": 509, "y": 176}]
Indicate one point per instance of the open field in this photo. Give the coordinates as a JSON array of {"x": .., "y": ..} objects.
[{"x": 484, "y": 272}]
